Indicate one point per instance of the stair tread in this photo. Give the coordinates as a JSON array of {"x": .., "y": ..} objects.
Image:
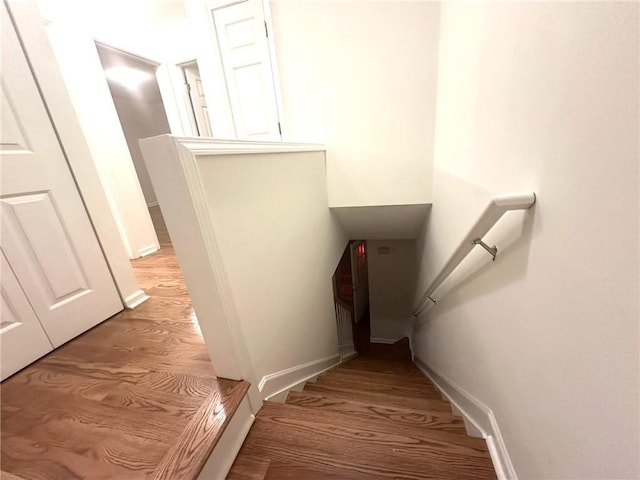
[
  {"x": 369, "y": 364},
  {"x": 249, "y": 466},
  {"x": 427, "y": 404},
  {"x": 292, "y": 470},
  {"x": 402, "y": 416},
  {"x": 415, "y": 391},
  {"x": 371, "y": 425},
  {"x": 381, "y": 378},
  {"x": 279, "y": 434}
]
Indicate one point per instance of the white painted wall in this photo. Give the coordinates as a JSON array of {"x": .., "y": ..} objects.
[
  {"x": 392, "y": 279},
  {"x": 78, "y": 60},
  {"x": 544, "y": 97},
  {"x": 360, "y": 77},
  {"x": 280, "y": 246}
]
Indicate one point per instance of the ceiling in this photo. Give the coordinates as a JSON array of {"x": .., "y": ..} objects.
[
  {"x": 153, "y": 29},
  {"x": 383, "y": 222}
]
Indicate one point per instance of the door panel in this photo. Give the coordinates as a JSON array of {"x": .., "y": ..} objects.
[
  {"x": 242, "y": 39},
  {"x": 198, "y": 101},
  {"x": 23, "y": 338},
  {"x": 47, "y": 238}
]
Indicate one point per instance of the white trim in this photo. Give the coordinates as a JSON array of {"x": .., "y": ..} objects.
[
  {"x": 226, "y": 450},
  {"x": 148, "y": 250},
  {"x": 275, "y": 71},
  {"x": 479, "y": 415},
  {"x": 209, "y": 146},
  {"x": 276, "y": 383},
  {"x": 135, "y": 299},
  {"x": 386, "y": 341},
  {"x": 152, "y": 204}
]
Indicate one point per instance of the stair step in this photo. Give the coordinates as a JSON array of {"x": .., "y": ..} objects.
[
  {"x": 401, "y": 416},
  {"x": 293, "y": 470},
  {"x": 370, "y": 387},
  {"x": 249, "y": 467},
  {"x": 367, "y": 364},
  {"x": 427, "y": 404},
  {"x": 381, "y": 378},
  {"x": 316, "y": 439},
  {"x": 372, "y": 426}
]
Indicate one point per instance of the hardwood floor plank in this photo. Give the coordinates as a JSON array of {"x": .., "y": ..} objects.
[
  {"x": 349, "y": 450},
  {"x": 111, "y": 403},
  {"x": 189, "y": 454},
  {"x": 365, "y": 386},
  {"x": 416, "y": 418},
  {"x": 427, "y": 404},
  {"x": 381, "y": 378},
  {"x": 249, "y": 467},
  {"x": 439, "y": 440}
]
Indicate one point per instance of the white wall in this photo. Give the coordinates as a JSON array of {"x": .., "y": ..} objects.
[
  {"x": 280, "y": 246},
  {"x": 543, "y": 97},
  {"x": 360, "y": 77},
  {"x": 78, "y": 60},
  {"x": 392, "y": 278}
]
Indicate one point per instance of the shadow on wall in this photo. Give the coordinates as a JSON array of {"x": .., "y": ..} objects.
[{"x": 512, "y": 235}]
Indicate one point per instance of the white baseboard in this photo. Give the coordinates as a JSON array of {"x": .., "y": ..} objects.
[
  {"x": 278, "y": 382},
  {"x": 479, "y": 416},
  {"x": 135, "y": 299},
  {"x": 226, "y": 450},
  {"x": 148, "y": 250}
]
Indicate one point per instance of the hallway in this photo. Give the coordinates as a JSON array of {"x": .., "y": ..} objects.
[{"x": 113, "y": 402}]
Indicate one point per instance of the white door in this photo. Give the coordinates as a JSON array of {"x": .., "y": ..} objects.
[
  {"x": 198, "y": 101},
  {"x": 21, "y": 335},
  {"x": 48, "y": 244},
  {"x": 242, "y": 39}
]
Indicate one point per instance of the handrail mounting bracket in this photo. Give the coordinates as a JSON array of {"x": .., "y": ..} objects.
[{"x": 493, "y": 251}]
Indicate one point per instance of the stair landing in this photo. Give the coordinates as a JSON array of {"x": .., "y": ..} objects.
[{"x": 373, "y": 417}]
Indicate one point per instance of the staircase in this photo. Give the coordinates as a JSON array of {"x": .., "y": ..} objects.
[{"x": 372, "y": 417}]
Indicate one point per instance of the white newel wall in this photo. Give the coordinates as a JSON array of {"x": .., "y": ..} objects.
[
  {"x": 542, "y": 97},
  {"x": 258, "y": 246}
]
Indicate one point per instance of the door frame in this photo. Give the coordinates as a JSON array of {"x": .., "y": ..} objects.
[
  {"x": 29, "y": 26},
  {"x": 211, "y": 67}
]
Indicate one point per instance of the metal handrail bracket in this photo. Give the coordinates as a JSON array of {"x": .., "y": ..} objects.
[{"x": 497, "y": 207}]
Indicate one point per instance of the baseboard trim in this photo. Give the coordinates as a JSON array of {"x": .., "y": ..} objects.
[
  {"x": 135, "y": 299},
  {"x": 226, "y": 450},
  {"x": 276, "y": 383},
  {"x": 479, "y": 415},
  {"x": 148, "y": 250},
  {"x": 152, "y": 204}
]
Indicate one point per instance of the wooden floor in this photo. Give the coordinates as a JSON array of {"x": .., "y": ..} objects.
[
  {"x": 372, "y": 417},
  {"x": 115, "y": 402}
]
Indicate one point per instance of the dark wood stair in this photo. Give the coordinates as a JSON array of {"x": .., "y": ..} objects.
[{"x": 372, "y": 417}]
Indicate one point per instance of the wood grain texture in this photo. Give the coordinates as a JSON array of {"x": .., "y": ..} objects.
[
  {"x": 112, "y": 403},
  {"x": 416, "y": 418},
  {"x": 344, "y": 426},
  {"x": 189, "y": 454}
]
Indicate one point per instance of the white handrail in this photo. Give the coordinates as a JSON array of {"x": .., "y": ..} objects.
[{"x": 499, "y": 205}]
